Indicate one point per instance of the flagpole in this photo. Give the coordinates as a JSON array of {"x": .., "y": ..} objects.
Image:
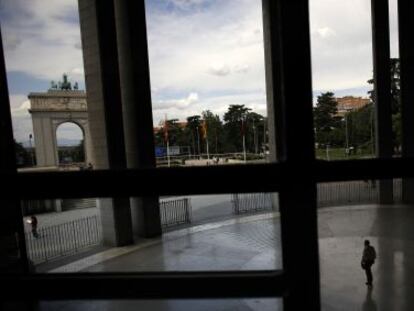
[
  {"x": 244, "y": 147},
  {"x": 244, "y": 140},
  {"x": 167, "y": 138},
  {"x": 198, "y": 143},
  {"x": 168, "y": 152},
  {"x": 205, "y": 136},
  {"x": 208, "y": 152}
]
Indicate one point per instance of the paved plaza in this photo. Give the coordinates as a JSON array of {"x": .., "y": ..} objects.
[{"x": 253, "y": 243}]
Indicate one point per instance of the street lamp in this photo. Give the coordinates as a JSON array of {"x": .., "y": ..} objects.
[
  {"x": 346, "y": 134},
  {"x": 31, "y": 149},
  {"x": 198, "y": 142},
  {"x": 327, "y": 152}
]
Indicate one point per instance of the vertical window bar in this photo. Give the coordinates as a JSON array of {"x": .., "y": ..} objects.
[
  {"x": 111, "y": 83},
  {"x": 382, "y": 89},
  {"x": 11, "y": 221},
  {"x": 288, "y": 66},
  {"x": 137, "y": 104},
  {"x": 406, "y": 42},
  {"x": 135, "y": 79}
]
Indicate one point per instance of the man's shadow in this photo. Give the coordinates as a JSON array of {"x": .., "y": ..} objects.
[{"x": 369, "y": 304}]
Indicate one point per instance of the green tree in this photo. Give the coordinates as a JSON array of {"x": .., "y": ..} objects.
[
  {"x": 214, "y": 131},
  {"x": 235, "y": 123},
  {"x": 78, "y": 152},
  {"x": 255, "y": 127},
  {"x": 360, "y": 127},
  {"x": 193, "y": 128},
  {"x": 176, "y": 134},
  {"x": 23, "y": 157},
  {"x": 326, "y": 121}
]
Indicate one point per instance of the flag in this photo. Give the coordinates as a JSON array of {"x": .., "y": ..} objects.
[{"x": 204, "y": 129}]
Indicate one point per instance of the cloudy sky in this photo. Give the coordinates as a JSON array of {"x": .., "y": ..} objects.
[{"x": 204, "y": 54}]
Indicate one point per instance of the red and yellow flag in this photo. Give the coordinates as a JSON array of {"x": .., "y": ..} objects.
[{"x": 204, "y": 129}]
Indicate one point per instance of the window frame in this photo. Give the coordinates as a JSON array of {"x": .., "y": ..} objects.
[{"x": 288, "y": 65}]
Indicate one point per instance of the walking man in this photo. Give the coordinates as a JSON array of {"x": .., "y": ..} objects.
[
  {"x": 368, "y": 258},
  {"x": 33, "y": 223}
]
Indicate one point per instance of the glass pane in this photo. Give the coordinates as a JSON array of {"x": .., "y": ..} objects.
[
  {"x": 267, "y": 304},
  {"x": 341, "y": 43},
  {"x": 45, "y": 72},
  {"x": 349, "y": 214},
  {"x": 195, "y": 233},
  {"x": 208, "y": 82}
]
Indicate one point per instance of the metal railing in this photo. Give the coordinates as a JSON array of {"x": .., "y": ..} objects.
[
  {"x": 30, "y": 207},
  {"x": 252, "y": 202},
  {"x": 329, "y": 194},
  {"x": 175, "y": 212},
  {"x": 64, "y": 239},
  {"x": 354, "y": 192},
  {"x": 347, "y": 193}
]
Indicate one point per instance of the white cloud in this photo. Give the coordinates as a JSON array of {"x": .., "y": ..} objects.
[
  {"x": 217, "y": 104},
  {"x": 341, "y": 44},
  {"x": 180, "y": 104},
  {"x": 218, "y": 69},
  {"x": 22, "y": 121},
  {"x": 325, "y": 32},
  {"x": 43, "y": 40},
  {"x": 241, "y": 68},
  {"x": 200, "y": 50},
  {"x": 22, "y": 110},
  {"x": 186, "y": 4},
  {"x": 16, "y": 100},
  {"x": 77, "y": 71}
]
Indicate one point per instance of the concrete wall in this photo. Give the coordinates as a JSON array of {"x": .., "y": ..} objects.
[{"x": 115, "y": 213}]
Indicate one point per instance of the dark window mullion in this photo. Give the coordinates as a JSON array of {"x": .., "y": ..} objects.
[
  {"x": 227, "y": 179},
  {"x": 111, "y": 86},
  {"x": 406, "y": 43},
  {"x": 287, "y": 38},
  {"x": 161, "y": 285},
  {"x": 7, "y": 152},
  {"x": 382, "y": 89},
  {"x": 11, "y": 221}
]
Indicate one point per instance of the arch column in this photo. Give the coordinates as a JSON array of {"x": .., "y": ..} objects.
[
  {"x": 87, "y": 143},
  {"x": 45, "y": 140}
]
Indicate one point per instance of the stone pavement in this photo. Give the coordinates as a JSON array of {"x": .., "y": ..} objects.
[{"x": 253, "y": 243}]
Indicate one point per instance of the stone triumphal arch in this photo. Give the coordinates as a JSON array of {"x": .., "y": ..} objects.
[{"x": 51, "y": 109}]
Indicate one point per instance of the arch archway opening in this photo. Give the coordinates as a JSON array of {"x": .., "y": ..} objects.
[{"x": 70, "y": 143}]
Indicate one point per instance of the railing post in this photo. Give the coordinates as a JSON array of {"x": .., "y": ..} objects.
[{"x": 74, "y": 236}]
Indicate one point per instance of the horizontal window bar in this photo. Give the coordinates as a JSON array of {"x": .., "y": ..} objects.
[
  {"x": 200, "y": 180},
  {"x": 145, "y": 285}
]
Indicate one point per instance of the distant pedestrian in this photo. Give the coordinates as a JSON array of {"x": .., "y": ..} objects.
[
  {"x": 33, "y": 224},
  {"x": 368, "y": 259},
  {"x": 90, "y": 166}
]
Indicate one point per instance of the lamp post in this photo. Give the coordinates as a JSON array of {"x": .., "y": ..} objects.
[
  {"x": 31, "y": 149},
  {"x": 255, "y": 139},
  {"x": 346, "y": 134},
  {"x": 327, "y": 152},
  {"x": 198, "y": 142},
  {"x": 243, "y": 129}
]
